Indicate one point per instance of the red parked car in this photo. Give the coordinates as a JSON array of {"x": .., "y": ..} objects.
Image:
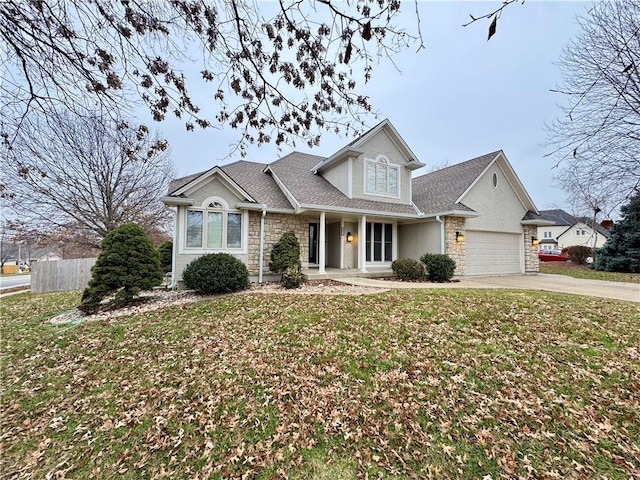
[{"x": 552, "y": 256}]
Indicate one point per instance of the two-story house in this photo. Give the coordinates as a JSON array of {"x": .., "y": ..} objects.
[
  {"x": 357, "y": 210},
  {"x": 564, "y": 230}
]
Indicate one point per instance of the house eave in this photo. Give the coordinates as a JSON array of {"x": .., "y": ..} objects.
[
  {"x": 355, "y": 211},
  {"x": 262, "y": 207},
  {"x": 340, "y": 155},
  {"x": 177, "y": 201},
  {"x": 451, "y": 213},
  {"x": 540, "y": 223}
]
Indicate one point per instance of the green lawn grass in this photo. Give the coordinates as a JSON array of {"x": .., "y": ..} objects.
[
  {"x": 403, "y": 384},
  {"x": 583, "y": 271}
]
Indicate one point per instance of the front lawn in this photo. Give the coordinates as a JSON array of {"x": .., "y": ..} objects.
[
  {"x": 583, "y": 271},
  {"x": 403, "y": 384}
]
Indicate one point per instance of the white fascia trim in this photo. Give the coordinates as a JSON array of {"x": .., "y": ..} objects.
[
  {"x": 285, "y": 190},
  {"x": 205, "y": 176},
  {"x": 377, "y": 213},
  {"x": 452, "y": 213},
  {"x": 341, "y": 154},
  {"x": 175, "y": 201},
  {"x": 263, "y": 207},
  {"x": 540, "y": 223}
]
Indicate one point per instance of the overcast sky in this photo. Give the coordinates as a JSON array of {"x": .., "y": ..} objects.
[{"x": 461, "y": 97}]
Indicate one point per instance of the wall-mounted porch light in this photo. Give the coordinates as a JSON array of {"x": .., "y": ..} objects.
[
  {"x": 349, "y": 237},
  {"x": 534, "y": 241},
  {"x": 459, "y": 237}
]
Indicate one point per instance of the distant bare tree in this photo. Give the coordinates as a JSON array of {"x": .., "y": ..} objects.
[
  {"x": 87, "y": 175},
  {"x": 596, "y": 143}
]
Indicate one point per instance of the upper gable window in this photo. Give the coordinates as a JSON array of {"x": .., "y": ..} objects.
[
  {"x": 214, "y": 226},
  {"x": 382, "y": 177}
]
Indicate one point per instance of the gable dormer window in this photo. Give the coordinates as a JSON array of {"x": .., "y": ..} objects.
[{"x": 382, "y": 177}]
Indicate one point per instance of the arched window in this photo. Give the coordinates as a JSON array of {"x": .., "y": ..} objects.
[
  {"x": 382, "y": 177},
  {"x": 214, "y": 226}
]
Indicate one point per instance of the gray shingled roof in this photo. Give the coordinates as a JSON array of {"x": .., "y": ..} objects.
[
  {"x": 559, "y": 217},
  {"x": 564, "y": 219},
  {"x": 261, "y": 186},
  {"x": 178, "y": 183},
  {"x": 294, "y": 170},
  {"x": 250, "y": 176},
  {"x": 596, "y": 226},
  {"x": 438, "y": 191}
]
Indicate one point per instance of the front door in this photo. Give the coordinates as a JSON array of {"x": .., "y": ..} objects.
[{"x": 313, "y": 243}]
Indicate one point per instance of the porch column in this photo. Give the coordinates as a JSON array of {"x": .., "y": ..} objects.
[
  {"x": 362, "y": 243},
  {"x": 321, "y": 260},
  {"x": 394, "y": 241},
  {"x": 342, "y": 241}
]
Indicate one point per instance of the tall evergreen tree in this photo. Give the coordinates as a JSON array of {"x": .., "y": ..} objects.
[{"x": 621, "y": 253}]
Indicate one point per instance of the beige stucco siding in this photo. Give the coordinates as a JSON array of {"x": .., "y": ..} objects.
[
  {"x": 416, "y": 239},
  {"x": 339, "y": 177},
  {"x": 500, "y": 208},
  {"x": 381, "y": 144},
  {"x": 213, "y": 188}
]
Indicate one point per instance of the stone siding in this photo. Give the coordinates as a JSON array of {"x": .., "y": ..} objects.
[
  {"x": 531, "y": 260},
  {"x": 454, "y": 249},
  {"x": 275, "y": 225}
]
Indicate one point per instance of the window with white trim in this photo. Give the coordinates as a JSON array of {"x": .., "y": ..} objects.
[
  {"x": 382, "y": 177},
  {"x": 214, "y": 227}
]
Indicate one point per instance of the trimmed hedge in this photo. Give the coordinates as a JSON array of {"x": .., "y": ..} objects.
[
  {"x": 440, "y": 268},
  {"x": 292, "y": 276},
  {"x": 216, "y": 273},
  {"x": 408, "y": 269}
]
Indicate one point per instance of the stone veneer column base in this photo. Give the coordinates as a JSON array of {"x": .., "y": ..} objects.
[
  {"x": 531, "y": 260},
  {"x": 454, "y": 249}
]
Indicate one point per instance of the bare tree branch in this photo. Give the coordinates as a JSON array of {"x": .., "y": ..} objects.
[{"x": 595, "y": 145}]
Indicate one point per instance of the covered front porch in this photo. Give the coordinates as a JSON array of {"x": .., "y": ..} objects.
[{"x": 312, "y": 273}]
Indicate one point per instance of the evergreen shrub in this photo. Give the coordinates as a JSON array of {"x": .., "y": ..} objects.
[
  {"x": 292, "y": 276},
  {"x": 285, "y": 256},
  {"x": 127, "y": 264},
  {"x": 216, "y": 273},
  {"x": 440, "y": 268},
  {"x": 165, "y": 250},
  {"x": 408, "y": 269}
]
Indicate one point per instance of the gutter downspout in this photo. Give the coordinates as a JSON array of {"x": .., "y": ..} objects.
[
  {"x": 443, "y": 249},
  {"x": 174, "y": 257},
  {"x": 260, "y": 267}
]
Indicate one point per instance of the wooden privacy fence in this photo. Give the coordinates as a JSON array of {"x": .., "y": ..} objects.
[{"x": 61, "y": 275}]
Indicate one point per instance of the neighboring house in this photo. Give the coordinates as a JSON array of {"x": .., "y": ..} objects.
[
  {"x": 358, "y": 210},
  {"x": 567, "y": 230}
]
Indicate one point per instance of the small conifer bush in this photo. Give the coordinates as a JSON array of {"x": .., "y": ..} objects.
[
  {"x": 292, "y": 276},
  {"x": 216, "y": 273},
  {"x": 285, "y": 255},
  {"x": 440, "y": 268},
  {"x": 127, "y": 264},
  {"x": 165, "y": 250},
  {"x": 408, "y": 269}
]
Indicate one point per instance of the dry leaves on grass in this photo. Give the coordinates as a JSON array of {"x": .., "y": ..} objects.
[{"x": 411, "y": 384}]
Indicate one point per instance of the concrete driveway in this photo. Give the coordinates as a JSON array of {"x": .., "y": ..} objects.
[{"x": 550, "y": 283}]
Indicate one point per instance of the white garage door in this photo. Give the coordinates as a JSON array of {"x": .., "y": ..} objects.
[{"x": 491, "y": 253}]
